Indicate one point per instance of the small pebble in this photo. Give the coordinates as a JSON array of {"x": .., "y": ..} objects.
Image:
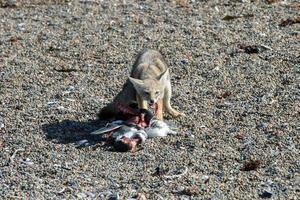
[
  {"x": 262, "y": 126},
  {"x": 184, "y": 61},
  {"x": 105, "y": 194},
  {"x": 205, "y": 178},
  {"x": 50, "y": 103},
  {"x": 115, "y": 197},
  {"x": 11, "y": 3},
  {"x": 27, "y": 161},
  {"x": 21, "y": 27},
  {"x": 81, "y": 195},
  {"x": 90, "y": 194},
  {"x": 61, "y": 108},
  {"x": 82, "y": 143}
]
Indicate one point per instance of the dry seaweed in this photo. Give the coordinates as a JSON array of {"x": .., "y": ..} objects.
[
  {"x": 290, "y": 21},
  {"x": 231, "y": 17},
  {"x": 191, "y": 191},
  {"x": 251, "y": 165}
]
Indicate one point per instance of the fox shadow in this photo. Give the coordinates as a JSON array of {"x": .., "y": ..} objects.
[{"x": 71, "y": 131}]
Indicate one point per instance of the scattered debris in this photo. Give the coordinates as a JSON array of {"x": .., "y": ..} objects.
[
  {"x": 11, "y": 159},
  {"x": 27, "y": 161},
  {"x": 69, "y": 89},
  {"x": 290, "y": 21},
  {"x": 2, "y": 144},
  {"x": 191, "y": 191},
  {"x": 251, "y": 49},
  {"x": 251, "y": 165},
  {"x": 69, "y": 99},
  {"x": 81, "y": 195},
  {"x": 262, "y": 126},
  {"x": 286, "y": 80},
  {"x": 105, "y": 194},
  {"x": 61, "y": 108},
  {"x": 89, "y": 2},
  {"x": 240, "y": 136},
  {"x": 224, "y": 95},
  {"x": 182, "y": 3},
  {"x": 9, "y": 4},
  {"x": 63, "y": 69},
  {"x": 178, "y": 175},
  {"x": 53, "y": 48},
  {"x": 15, "y": 38},
  {"x": 295, "y": 5},
  {"x": 90, "y": 194},
  {"x": 1, "y": 121},
  {"x": 140, "y": 196},
  {"x": 272, "y": 1},
  {"x": 65, "y": 166},
  {"x": 51, "y": 103},
  {"x": 265, "y": 47},
  {"x": 65, "y": 189},
  {"x": 205, "y": 179},
  {"x": 231, "y": 17},
  {"x": 160, "y": 172}
]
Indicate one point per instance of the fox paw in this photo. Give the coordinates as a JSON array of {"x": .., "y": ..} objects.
[
  {"x": 159, "y": 117},
  {"x": 178, "y": 114}
]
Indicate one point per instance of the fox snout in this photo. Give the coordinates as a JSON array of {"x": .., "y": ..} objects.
[{"x": 151, "y": 102}]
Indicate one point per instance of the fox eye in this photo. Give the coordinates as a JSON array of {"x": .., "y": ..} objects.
[
  {"x": 157, "y": 92},
  {"x": 147, "y": 93}
]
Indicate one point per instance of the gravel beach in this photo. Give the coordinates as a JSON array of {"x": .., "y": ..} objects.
[{"x": 235, "y": 72}]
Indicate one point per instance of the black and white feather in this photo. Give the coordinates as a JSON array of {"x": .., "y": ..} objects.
[{"x": 159, "y": 128}]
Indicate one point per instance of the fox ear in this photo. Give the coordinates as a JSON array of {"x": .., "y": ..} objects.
[
  {"x": 164, "y": 76},
  {"x": 137, "y": 83}
]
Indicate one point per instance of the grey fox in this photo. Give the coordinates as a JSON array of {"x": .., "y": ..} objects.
[{"x": 148, "y": 85}]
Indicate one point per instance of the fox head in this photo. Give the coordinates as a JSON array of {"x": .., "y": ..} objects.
[{"x": 151, "y": 90}]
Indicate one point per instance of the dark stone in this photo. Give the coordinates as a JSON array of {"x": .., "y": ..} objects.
[{"x": 266, "y": 194}]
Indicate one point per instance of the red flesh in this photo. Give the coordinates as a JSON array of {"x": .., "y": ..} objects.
[
  {"x": 131, "y": 142},
  {"x": 126, "y": 109},
  {"x": 137, "y": 118}
]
